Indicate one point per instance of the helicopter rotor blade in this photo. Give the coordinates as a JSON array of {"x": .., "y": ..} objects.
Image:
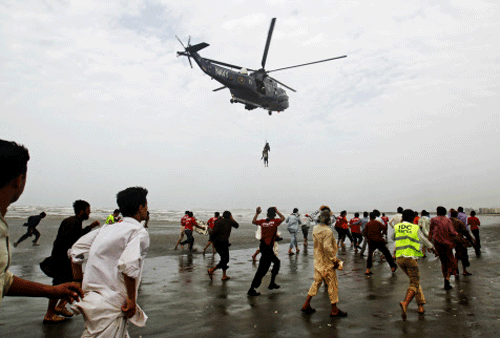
[
  {"x": 217, "y": 89},
  {"x": 268, "y": 42},
  {"x": 189, "y": 41},
  {"x": 310, "y": 63},
  {"x": 227, "y": 64},
  {"x": 284, "y": 85},
  {"x": 190, "y": 63},
  {"x": 180, "y": 41}
]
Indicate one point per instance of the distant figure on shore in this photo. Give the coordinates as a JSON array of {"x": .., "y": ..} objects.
[
  {"x": 355, "y": 226},
  {"x": 69, "y": 232},
  {"x": 269, "y": 228},
  {"x": 442, "y": 234},
  {"x": 32, "y": 223},
  {"x": 342, "y": 228},
  {"x": 210, "y": 225},
  {"x": 362, "y": 223},
  {"x": 265, "y": 154},
  {"x": 397, "y": 218},
  {"x": 188, "y": 230},
  {"x": 116, "y": 254},
  {"x": 325, "y": 264},
  {"x": 293, "y": 221},
  {"x": 461, "y": 241},
  {"x": 474, "y": 225},
  {"x": 374, "y": 232},
  {"x": 219, "y": 236},
  {"x": 409, "y": 239},
  {"x": 305, "y": 228},
  {"x": 462, "y": 216},
  {"x": 14, "y": 159},
  {"x": 424, "y": 223},
  {"x": 113, "y": 218},
  {"x": 183, "y": 226}
]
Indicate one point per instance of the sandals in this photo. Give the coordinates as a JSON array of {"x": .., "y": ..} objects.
[
  {"x": 54, "y": 319},
  {"x": 64, "y": 312},
  {"x": 308, "y": 310},
  {"x": 339, "y": 314}
]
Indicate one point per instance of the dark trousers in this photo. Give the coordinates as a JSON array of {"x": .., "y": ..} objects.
[
  {"x": 267, "y": 257},
  {"x": 222, "y": 249},
  {"x": 189, "y": 240},
  {"x": 30, "y": 233},
  {"x": 372, "y": 246},
  {"x": 358, "y": 238},
  {"x": 478, "y": 240},
  {"x": 448, "y": 261},
  {"x": 345, "y": 233}
]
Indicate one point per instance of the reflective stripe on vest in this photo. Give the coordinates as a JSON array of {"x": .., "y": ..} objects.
[{"x": 407, "y": 242}]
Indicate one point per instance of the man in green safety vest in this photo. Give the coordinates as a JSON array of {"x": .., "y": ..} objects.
[
  {"x": 113, "y": 218},
  {"x": 408, "y": 238}
]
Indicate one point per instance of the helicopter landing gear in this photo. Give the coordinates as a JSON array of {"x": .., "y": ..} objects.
[
  {"x": 270, "y": 113},
  {"x": 232, "y": 101}
]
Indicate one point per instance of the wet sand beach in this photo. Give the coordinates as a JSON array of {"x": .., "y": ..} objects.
[{"x": 181, "y": 301}]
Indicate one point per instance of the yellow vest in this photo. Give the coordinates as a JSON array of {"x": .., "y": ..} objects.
[
  {"x": 110, "y": 219},
  {"x": 407, "y": 241}
]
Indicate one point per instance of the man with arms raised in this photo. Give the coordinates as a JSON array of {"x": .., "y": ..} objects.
[{"x": 269, "y": 227}]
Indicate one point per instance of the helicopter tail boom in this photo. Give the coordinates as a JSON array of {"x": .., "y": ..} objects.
[{"x": 197, "y": 47}]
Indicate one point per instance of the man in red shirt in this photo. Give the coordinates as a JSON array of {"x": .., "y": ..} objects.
[
  {"x": 354, "y": 224},
  {"x": 188, "y": 230},
  {"x": 269, "y": 227},
  {"x": 183, "y": 226},
  {"x": 474, "y": 224},
  {"x": 442, "y": 234},
  {"x": 374, "y": 231},
  {"x": 210, "y": 225}
]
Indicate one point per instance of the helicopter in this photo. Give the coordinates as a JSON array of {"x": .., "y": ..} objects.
[{"x": 253, "y": 88}]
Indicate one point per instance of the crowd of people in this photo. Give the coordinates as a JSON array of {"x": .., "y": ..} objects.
[{"x": 106, "y": 293}]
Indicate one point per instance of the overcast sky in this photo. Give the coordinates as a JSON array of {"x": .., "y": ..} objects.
[{"x": 95, "y": 91}]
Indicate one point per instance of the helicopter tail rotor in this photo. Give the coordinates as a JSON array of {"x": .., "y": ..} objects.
[{"x": 189, "y": 50}]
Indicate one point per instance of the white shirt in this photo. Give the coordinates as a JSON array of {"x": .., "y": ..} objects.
[
  {"x": 396, "y": 219},
  {"x": 6, "y": 276},
  {"x": 113, "y": 250}
]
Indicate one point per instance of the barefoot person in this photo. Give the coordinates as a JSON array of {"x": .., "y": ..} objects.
[
  {"x": 374, "y": 233},
  {"x": 409, "y": 238},
  {"x": 325, "y": 263},
  {"x": 32, "y": 223},
  {"x": 293, "y": 221},
  {"x": 269, "y": 228},
  {"x": 219, "y": 236},
  {"x": 14, "y": 159},
  {"x": 210, "y": 225},
  {"x": 442, "y": 235},
  {"x": 183, "y": 226},
  {"x": 116, "y": 254},
  {"x": 69, "y": 232}
]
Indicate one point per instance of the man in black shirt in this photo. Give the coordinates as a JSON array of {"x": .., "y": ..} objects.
[
  {"x": 219, "y": 236},
  {"x": 32, "y": 222},
  {"x": 69, "y": 232}
]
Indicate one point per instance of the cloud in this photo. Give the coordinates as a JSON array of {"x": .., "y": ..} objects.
[{"x": 96, "y": 93}]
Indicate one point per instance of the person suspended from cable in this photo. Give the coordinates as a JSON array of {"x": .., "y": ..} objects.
[{"x": 265, "y": 154}]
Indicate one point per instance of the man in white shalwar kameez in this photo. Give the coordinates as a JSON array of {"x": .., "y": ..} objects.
[{"x": 113, "y": 271}]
